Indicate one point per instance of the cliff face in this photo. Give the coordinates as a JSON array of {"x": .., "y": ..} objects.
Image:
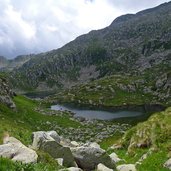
[{"x": 6, "y": 94}]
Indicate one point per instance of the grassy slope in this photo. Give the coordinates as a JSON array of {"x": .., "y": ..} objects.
[
  {"x": 157, "y": 131},
  {"x": 25, "y": 119},
  {"x": 21, "y": 123}
]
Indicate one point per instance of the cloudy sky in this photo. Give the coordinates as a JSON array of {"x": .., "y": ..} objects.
[{"x": 34, "y": 26}]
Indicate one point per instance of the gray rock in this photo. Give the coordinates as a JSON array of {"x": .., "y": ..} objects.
[
  {"x": 6, "y": 94},
  {"x": 102, "y": 167},
  {"x": 88, "y": 158},
  {"x": 126, "y": 167},
  {"x": 43, "y": 141},
  {"x": 54, "y": 135},
  {"x": 60, "y": 161},
  {"x": 39, "y": 136},
  {"x": 167, "y": 164},
  {"x": 161, "y": 81},
  {"x": 16, "y": 151},
  {"x": 114, "y": 157},
  {"x": 74, "y": 144},
  {"x": 71, "y": 169}
]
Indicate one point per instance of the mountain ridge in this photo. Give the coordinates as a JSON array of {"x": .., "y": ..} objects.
[{"x": 133, "y": 46}]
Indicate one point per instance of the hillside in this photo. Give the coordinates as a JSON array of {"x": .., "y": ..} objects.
[
  {"x": 148, "y": 144},
  {"x": 119, "y": 90},
  {"x": 138, "y": 44}
]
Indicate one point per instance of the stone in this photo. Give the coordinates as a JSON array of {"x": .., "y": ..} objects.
[
  {"x": 114, "y": 157},
  {"x": 60, "y": 161},
  {"x": 126, "y": 167},
  {"x": 74, "y": 144},
  {"x": 167, "y": 164},
  {"x": 102, "y": 167},
  {"x": 71, "y": 169},
  {"x": 95, "y": 145},
  {"x": 88, "y": 157},
  {"x": 116, "y": 147},
  {"x": 45, "y": 142},
  {"x": 15, "y": 150},
  {"x": 54, "y": 135},
  {"x": 39, "y": 136}
]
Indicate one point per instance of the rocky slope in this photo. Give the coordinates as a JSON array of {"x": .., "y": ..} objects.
[
  {"x": 139, "y": 44},
  {"x": 119, "y": 90},
  {"x": 6, "y": 94}
]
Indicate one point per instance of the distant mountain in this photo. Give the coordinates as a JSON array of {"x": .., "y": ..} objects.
[
  {"x": 3, "y": 62},
  {"x": 10, "y": 64},
  {"x": 137, "y": 44}
]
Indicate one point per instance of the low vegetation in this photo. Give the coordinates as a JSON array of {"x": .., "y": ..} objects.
[{"x": 152, "y": 137}]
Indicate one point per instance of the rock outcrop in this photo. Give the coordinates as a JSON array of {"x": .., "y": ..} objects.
[{"x": 6, "y": 94}]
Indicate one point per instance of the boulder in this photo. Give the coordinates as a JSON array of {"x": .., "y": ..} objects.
[
  {"x": 15, "y": 150},
  {"x": 40, "y": 136},
  {"x": 71, "y": 169},
  {"x": 114, "y": 157},
  {"x": 88, "y": 157},
  {"x": 74, "y": 144},
  {"x": 167, "y": 164},
  {"x": 102, "y": 167},
  {"x": 126, "y": 167},
  {"x": 45, "y": 142}
]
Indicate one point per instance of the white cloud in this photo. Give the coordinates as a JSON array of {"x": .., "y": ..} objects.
[{"x": 34, "y": 26}]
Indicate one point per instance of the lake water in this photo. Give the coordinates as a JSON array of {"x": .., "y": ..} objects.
[{"x": 98, "y": 114}]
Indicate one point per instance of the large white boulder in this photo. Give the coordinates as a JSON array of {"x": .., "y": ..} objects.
[
  {"x": 88, "y": 157},
  {"x": 126, "y": 167},
  {"x": 44, "y": 141},
  {"x": 102, "y": 167},
  {"x": 15, "y": 150}
]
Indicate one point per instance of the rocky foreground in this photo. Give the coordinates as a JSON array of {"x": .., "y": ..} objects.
[{"x": 71, "y": 155}]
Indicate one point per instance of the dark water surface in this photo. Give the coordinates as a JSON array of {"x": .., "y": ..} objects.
[{"x": 97, "y": 113}]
